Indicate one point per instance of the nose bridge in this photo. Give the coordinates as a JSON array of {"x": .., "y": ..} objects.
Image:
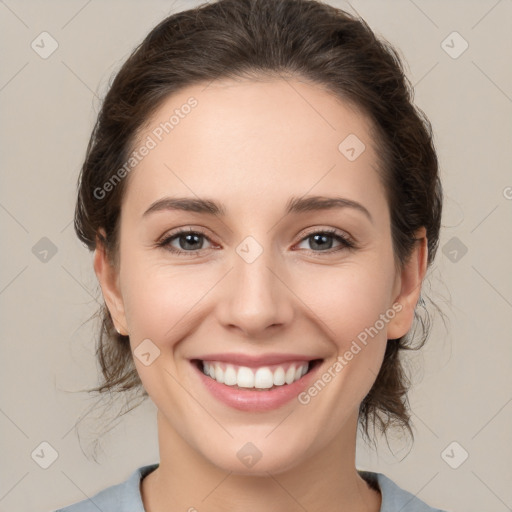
[{"x": 256, "y": 298}]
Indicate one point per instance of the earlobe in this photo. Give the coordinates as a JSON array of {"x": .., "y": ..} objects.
[
  {"x": 410, "y": 279},
  {"x": 107, "y": 276}
]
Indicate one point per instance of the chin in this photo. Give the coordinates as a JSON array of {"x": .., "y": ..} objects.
[{"x": 248, "y": 460}]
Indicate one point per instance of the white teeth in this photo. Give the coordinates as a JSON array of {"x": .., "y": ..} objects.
[
  {"x": 230, "y": 376},
  {"x": 261, "y": 378},
  {"x": 279, "y": 377},
  {"x": 245, "y": 377},
  {"x": 219, "y": 374},
  {"x": 290, "y": 375}
]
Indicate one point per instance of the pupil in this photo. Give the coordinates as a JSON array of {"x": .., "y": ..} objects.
[
  {"x": 187, "y": 237},
  {"x": 323, "y": 238}
]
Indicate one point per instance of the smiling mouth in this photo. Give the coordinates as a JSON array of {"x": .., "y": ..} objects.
[{"x": 264, "y": 378}]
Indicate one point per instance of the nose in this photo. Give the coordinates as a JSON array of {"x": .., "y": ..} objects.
[{"x": 255, "y": 298}]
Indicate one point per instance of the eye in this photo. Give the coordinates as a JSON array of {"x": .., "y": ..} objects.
[
  {"x": 322, "y": 240},
  {"x": 189, "y": 241}
]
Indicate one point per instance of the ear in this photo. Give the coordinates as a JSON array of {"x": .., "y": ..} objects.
[
  {"x": 408, "y": 287},
  {"x": 108, "y": 278}
]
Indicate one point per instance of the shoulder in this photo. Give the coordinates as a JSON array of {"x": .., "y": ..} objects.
[
  {"x": 394, "y": 497},
  {"x": 122, "y": 497}
]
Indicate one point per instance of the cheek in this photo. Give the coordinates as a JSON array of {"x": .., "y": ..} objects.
[
  {"x": 162, "y": 304},
  {"x": 161, "y": 301},
  {"x": 354, "y": 312},
  {"x": 348, "y": 300},
  {"x": 353, "y": 305}
]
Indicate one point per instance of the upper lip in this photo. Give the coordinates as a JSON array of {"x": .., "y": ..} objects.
[{"x": 255, "y": 361}]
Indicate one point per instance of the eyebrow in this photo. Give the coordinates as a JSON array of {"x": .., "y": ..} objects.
[{"x": 294, "y": 205}]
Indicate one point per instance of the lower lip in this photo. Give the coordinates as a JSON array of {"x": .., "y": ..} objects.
[{"x": 255, "y": 399}]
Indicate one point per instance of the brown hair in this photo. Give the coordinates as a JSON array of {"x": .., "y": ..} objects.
[{"x": 270, "y": 38}]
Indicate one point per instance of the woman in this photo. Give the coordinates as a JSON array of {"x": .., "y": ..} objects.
[{"x": 263, "y": 201}]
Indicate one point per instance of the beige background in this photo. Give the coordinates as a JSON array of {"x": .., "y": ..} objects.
[{"x": 463, "y": 387}]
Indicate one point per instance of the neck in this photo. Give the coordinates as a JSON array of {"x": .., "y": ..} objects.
[{"x": 325, "y": 481}]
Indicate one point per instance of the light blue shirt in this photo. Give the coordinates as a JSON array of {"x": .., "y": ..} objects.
[{"x": 125, "y": 497}]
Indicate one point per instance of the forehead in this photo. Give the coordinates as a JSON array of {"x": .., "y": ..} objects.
[{"x": 247, "y": 141}]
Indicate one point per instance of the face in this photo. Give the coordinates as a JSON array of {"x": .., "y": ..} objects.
[{"x": 271, "y": 279}]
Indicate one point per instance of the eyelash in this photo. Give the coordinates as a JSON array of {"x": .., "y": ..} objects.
[{"x": 346, "y": 243}]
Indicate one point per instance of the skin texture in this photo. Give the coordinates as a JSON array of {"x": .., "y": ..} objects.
[{"x": 252, "y": 145}]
